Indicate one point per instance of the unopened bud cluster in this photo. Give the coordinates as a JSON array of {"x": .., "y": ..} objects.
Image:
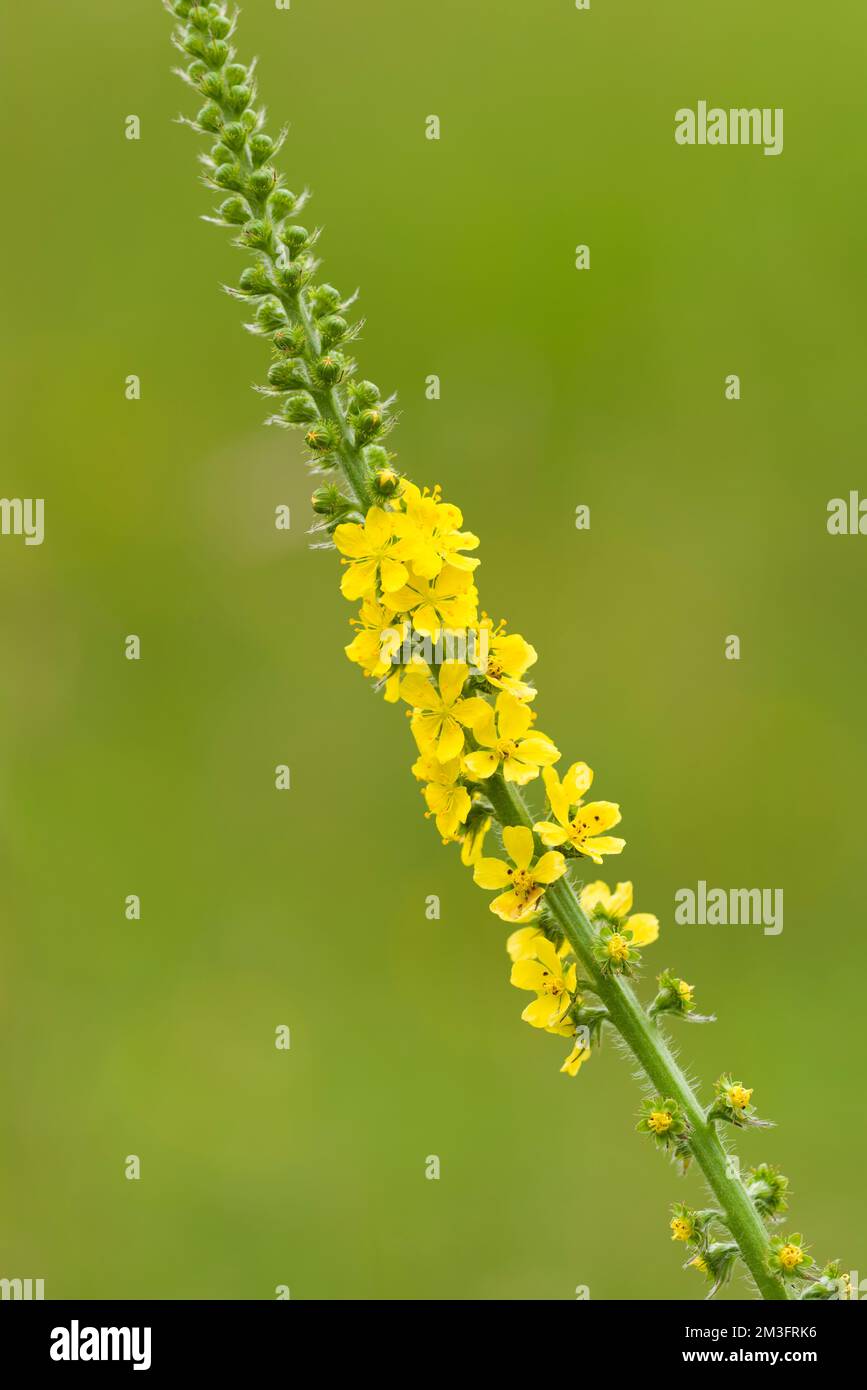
[{"x": 311, "y": 377}]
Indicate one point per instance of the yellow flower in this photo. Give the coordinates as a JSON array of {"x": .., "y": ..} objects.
[
  {"x": 377, "y": 639},
  {"x": 429, "y": 533},
  {"x": 450, "y": 600},
  {"x": 739, "y": 1096},
  {"x": 681, "y": 1229},
  {"x": 526, "y": 882},
  {"x": 437, "y": 712},
  {"x": 370, "y": 555},
  {"x": 504, "y": 739},
  {"x": 790, "y": 1256},
  {"x": 576, "y": 1059},
  {"x": 582, "y": 829},
  {"x": 447, "y": 800},
  {"x": 509, "y": 657},
  {"x": 552, "y": 983},
  {"x": 685, "y": 991},
  {"x": 659, "y": 1121},
  {"x": 597, "y": 899},
  {"x": 697, "y": 1262}
]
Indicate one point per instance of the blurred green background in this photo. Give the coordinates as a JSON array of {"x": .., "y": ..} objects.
[{"x": 605, "y": 387}]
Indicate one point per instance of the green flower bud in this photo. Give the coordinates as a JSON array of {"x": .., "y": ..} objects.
[
  {"x": 261, "y": 148},
  {"x": 324, "y": 300},
  {"x": 322, "y": 437},
  {"x": 210, "y": 118},
  {"x": 254, "y": 280},
  {"x": 290, "y": 340},
  {"x": 368, "y": 425},
  {"x": 195, "y": 45},
  {"x": 216, "y": 54},
  {"x": 364, "y": 394},
  {"x": 376, "y": 458},
  {"x": 235, "y": 211},
  {"x": 258, "y": 234},
  {"x": 234, "y": 135},
  {"x": 182, "y": 8},
  {"x": 221, "y": 154},
  {"x": 332, "y": 330},
  {"x": 386, "y": 483},
  {"x": 288, "y": 374},
  {"x": 239, "y": 98},
  {"x": 235, "y": 74},
  {"x": 295, "y": 239},
  {"x": 261, "y": 181},
  {"x": 300, "y": 409},
  {"x": 271, "y": 315},
  {"x": 210, "y": 83},
  {"x": 249, "y": 120},
  {"x": 199, "y": 18},
  {"x": 221, "y": 26},
  {"x": 281, "y": 203},
  {"x": 330, "y": 501},
  {"x": 229, "y": 176},
  {"x": 197, "y": 71},
  {"x": 330, "y": 368},
  {"x": 290, "y": 276}
]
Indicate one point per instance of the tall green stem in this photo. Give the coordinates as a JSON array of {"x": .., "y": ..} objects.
[{"x": 646, "y": 1042}]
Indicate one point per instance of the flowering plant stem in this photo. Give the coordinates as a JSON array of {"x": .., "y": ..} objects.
[
  {"x": 645, "y": 1040},
  {"x": 403, "y": 552}
]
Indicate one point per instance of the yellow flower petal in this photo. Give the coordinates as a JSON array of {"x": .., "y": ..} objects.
[
  {"x": 511, "y": 908},
  {"x": 576, "y": 1059},
  {"x": 513, "y": 717},
  {"x": 491, "y": 873},
  {"x": 596, "y": 817},
  {"x": 550, "y": 867},
  {"x": 358, "y": 580},
  {"x": 543, "y": 1012},
  {"x": 480, "y": 764},
  {"x": 550, "y": 834},
  {"x": 378, "y": 529},
  {"x": 577, "y": 782},
  {"x": 520, "y": 944},
  {"x": 548, "y": 956},
  {"x": 528, "y": 974},
  {"x": 452, "y": 677},
  {"x": 451, "y": 739},
  {"x": 417, "y": 690},
  {"x": 620, "y": 904},
  {"x": 518, "y": 841},
  {"x": 351, "y": 540},
  {"x": 595, "y": 895},
  {"x": 392, "y": 575},
  {"x": 644, "y": 927},
  {"x": 606, "y": 844}
]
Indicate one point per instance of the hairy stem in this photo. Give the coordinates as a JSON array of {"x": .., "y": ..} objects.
[{"x": 646, "y": 1042}]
